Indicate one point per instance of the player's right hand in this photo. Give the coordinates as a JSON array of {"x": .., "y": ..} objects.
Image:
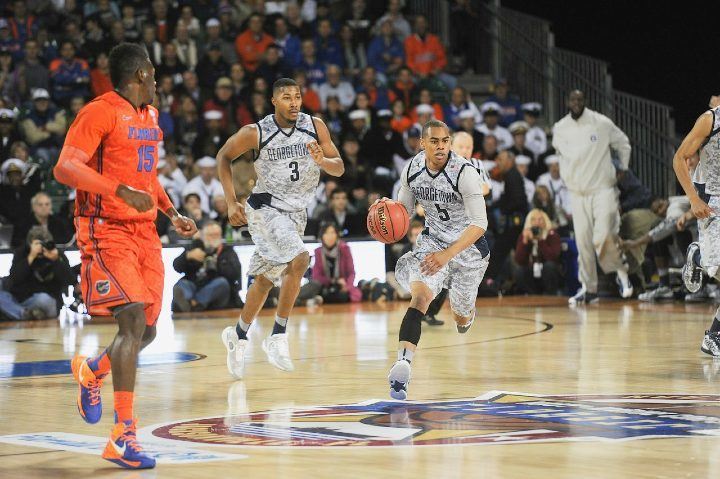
[
  {"x": 700, "y": 209},
  {"x": 137, "y": 199},
  {"x": 236, "y": 213},
  {"x": 384, "y": 198}
]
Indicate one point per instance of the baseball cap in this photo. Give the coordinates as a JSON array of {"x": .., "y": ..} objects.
[
  {"x": 212, "y": 22},
  {"x": 213, "y": 115},
  {"x": 40, "y": 93}
]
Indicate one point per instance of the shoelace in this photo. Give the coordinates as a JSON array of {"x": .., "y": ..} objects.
[
  {"x": 282, "y": 348},
  {"x": 695, "y": 275},
  {"x": 94, "y": 391},
  {"x": 128, "y": 437}
]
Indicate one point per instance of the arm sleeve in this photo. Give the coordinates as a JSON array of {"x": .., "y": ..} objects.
[
  {"x": 470, "y": 187},
  {"x": 87, "y": 131},
  {"x": 620, "y": 143},
  {"x": 405, "y": 195}
]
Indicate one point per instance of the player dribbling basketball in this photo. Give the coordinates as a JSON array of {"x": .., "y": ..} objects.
[{"x": 451, "y": 252}]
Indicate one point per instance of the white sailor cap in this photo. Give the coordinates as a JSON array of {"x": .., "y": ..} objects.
[
  {"x": 532, "y": 107},
  {"x": 424, "y": 109},
  {"x": 490, "y": 107},
  {"x": 518, "y": 126},
  {"x": 213, "y": 115},
  {"x": 552, "y": 159},
  {"x": 522, "y": 160},
  {"x": 206, "y": 162},
  {"x": 357, "y": 115},
  {"x": 465, "y": 114}
]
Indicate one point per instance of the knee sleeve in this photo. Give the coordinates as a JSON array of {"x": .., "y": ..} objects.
[{"x": 411, "y": 326}]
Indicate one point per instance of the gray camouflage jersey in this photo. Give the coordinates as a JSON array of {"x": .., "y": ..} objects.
[
  {"x": 285, "y": 169},
  {"x": 710, "y": 157},
  {"x": 445, "y": 216}
]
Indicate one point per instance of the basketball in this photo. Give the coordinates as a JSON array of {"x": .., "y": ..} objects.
[{"x": 388, "y": 221}]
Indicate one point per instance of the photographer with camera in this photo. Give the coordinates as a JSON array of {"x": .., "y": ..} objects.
[
  {"x": 212, "y": 274},
  {"x": 38, "y": 276},
  {"x": 537, "y": 255}
]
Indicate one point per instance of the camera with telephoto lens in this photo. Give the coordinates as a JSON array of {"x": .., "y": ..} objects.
[
  {"x": 48, "y": 245},
  {"x": 535, "y": 230}
]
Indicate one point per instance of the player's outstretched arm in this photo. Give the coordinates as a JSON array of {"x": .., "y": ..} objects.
[
  {"x": 324, "y": 151},
  {"x": 687, "y": 150},
  {"x": 240, "y": 143}
]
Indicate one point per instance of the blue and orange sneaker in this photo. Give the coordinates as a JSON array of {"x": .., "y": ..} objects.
[
  {"x": 89, "y": 403},
  {"x": 123, "y": 448}
]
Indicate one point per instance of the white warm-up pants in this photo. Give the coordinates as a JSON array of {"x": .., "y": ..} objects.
[{"x": 596, "y": 221}]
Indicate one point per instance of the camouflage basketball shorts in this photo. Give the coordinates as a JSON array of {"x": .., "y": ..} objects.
[
  {"x": 462, "y": 275},
  {"x": 278, "y": 240},
  {"x": 709, "y": 238}
]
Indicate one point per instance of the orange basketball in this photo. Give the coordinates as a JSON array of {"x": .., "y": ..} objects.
[{"x": 388, "y": 221}]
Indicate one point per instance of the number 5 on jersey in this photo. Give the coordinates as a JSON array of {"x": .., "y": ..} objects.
[{"x": 442, "y": 212}]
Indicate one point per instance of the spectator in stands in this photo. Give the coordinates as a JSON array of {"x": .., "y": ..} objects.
[
  {"x": 95, "y": 41},
  {"x": 425, "y": 98},
  {"x": 425, "y": 55},
  {"x": 354, "y": 51},
  {"x": 212, "y": 137},
  {"x": 7, "y": 42},
  {"x": 359, "y": 123},
  {"x": 401, "y": 27},
  {"x": 220, "y": 209},
  {"x": 314, "y": 69},
  {"x": 8, "y": 132},
  {"x": 22, "y": 26},
  {"x": 393, "y": 252},
  {"x": 100, "y": 76},
  {"x": 334, "y": 269},
  {"x": 355, "y": 170},
  {"x": 211, "y": 271},
  {"x": 20, "y": 182},
  {"x": 335, "y": 86},
  {"x": 205, "y": 185},
  {"x": 405, "y": 88},
  {"x": 30, "y": 73},
  {"x": 459, "y": 102},
  {"x": 222, "y": 101},
  {"x": 42, "y": 216},
  {"x": 252, "y": 43},
  {"x": 187, "y": 124},
  {"x": 39, "y": 275},
  {"x": 70, "y": 76},
  {"x": 537, "y": 254},
  {"x": 490, "y": 112},
  {"x": 213, "y": 36},
  {"x": 129, "y": 25},
  {"x": 386, "y": 53},
  {"x": 191, "y": 209},
  {"x": 171, "y": 178},
  {"x": 273, "y": 67},
  {"x": 359, "y": 21},
  {"x": 522, "y": 163},
  {"x": 296, "y": 23},
  {"x": 188, "y": 22},
  {"x": 163, "y": 24},
  {"x": 191, "y": 87},
  {"x": 44, "y": 127},
  {"x": 171, "y": 64},
  {"x": 400, "y": 122},
  {"x": 518, "y": 130},
  {"x": 633, "y": 193},
  {"x": 466, "y": 120},
  {"x": 289, "y": 43},
  {"x": 348, "y": 222},
  {"x": 378, "y": 148},
  {"x": 509, "y": 213},
  {"x": 9, "y": 88},
  {"x": 328, "y": 47},
  {"x": 240, "y": 87},
  {"x": 151, "y": 44},
  {"x": 186, "y": 47},
  {"x": 556, "y": 186},
  {"x": 379, "y": 96},
  {"x": 489, "y": 150},
  {"x": 510, "y": 108},
  {"x": 535, "y": 138},
  {"x": 311, "y": 100},
  {"x": 334, "y": 117},
  {"x": 543, "y": 200}
]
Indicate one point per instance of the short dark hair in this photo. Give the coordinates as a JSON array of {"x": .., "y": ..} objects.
[
  {"x": 325, "y": 225},
  {"x": 433, "y": 124},
  {"x": 38, "y": 233},
  {"x": 282, "y": 83},
  {"x": 126, "y": 59},
  {"x": 337, "y": 191}
]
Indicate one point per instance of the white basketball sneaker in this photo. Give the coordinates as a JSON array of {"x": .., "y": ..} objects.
[
  {"x": 235, "y": 352},
  {"x": 399, "y": 378},
  {"x": 278, "y": 352}
]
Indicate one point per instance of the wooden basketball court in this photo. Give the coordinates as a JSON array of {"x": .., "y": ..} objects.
[{"x": 535, "y": 389}]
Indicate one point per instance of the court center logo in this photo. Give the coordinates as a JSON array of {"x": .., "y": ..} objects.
[{"x": 495, "y": 418}]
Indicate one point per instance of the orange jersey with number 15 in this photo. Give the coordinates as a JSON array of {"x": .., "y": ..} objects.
[{"x": 122, "y": 143}]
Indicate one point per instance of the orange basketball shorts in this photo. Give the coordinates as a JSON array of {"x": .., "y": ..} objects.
[{"x": 121, "y": 263}]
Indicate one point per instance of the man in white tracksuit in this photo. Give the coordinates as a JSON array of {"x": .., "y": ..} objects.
[{"x": 583, "y": 140}]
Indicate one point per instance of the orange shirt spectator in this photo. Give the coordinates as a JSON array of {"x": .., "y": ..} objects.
[
  {"x": 251, "y": 44},
  {"x": 424, "y": 53},
  {"x": 100, "y": 76},
  {"x": 311, "y": 100}
]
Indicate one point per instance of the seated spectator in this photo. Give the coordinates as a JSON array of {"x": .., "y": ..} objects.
[
  {"x": 7, "y": 42},
  {"x": 129, "y": 24},
  {"x": 159, "y": 18},
  {"x": 329, "y": 50},
  {"x": 95, "y": 40},
  {"x": 404, "y": 88},
  {"x": 355, "y": 170},
  {"x": 425, "y": 54},
  {"x": 213, "y": 36},
  {"x": 212, "y": 274},
  {"x": 400, "y": 122},
  {"x": 187, "y": 50},
  {"x": 22, "y": 25},
  {"x": 337, "y": 87},
  {"x": 522, "y": 163},
  {"x": 425, "y": 98},
  {"x": 289, "y": 43},
  {"x": 490, "y": 126},
  {"x": 297, "y": 24},
  {"x": 191, "y": 209},
  {"x": 70, "y": 76},
  {"x": 9, "y": 88},
  {"x": 187, "y": 124},
  {"x": 394, "y": 251},
  {"x": 272, "y": 67},
  {"x": 44, "y": 127},
  {"x": 31, "y": 74},
  {"x": 556, "y": 185},
  {"x": 543, "y": 200},
  {"x": 190, "y": 88},
  {"x": 489, "y": 151},
  {"x": 386, "y": 53},
  {"x": 535, "y": 138},
  {"x": 223, "y": 101},
  {"x": 8, "y": 132},
  {"x": 251, "y": 44},
  {"x": 20, "y": 182},
  {"x": 212, "y": 137},
  {"x": 510, "y": 108},
  {"x": 42, "y": 216},
  {"x": 359, "y": 123},
  {"x": 39, "y": 275},
  {"x": 378, "y": 148},
  {"x": 379, "y": 96},
  {"x": 518, "y": 130},
  {"x": 205, "y": 185},
  {"x": 460, "y": 102},
  {"x": 188, "y": 22},
  {"x": 633, "y": 193},
  {"x": 347, "y": 221},
  {"x": 313, "y": 68},
  {"x": 359, "y": 21},
  {"x": 353, "y": 50},
  {"x": 221, "y": 216},
  {"x": 401, "y": 27},
  {"x": 537, "y": 254},
  {"x": 311, "y": 100},
  {"x": 211, "y": 67},
  {"x": 466, "y": 121},
  {"x": 334, "y": 117},
  {"x": 100, "y": 75},
  {"x": 462, "y": 144},
  {"x": 171, "y": 178},
  {"x": 171, "y": 64},
  {"x": 333, "y": 273}
]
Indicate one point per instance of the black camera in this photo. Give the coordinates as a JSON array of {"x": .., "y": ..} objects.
[
  {"x": 535, "y": 230},
  {"x": 48, "y": 245}
]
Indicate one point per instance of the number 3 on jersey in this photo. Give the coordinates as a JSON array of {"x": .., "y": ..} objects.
[
  {"x": 146, "y": 158},
  {"x": 444, "y": 215},
  {"x": 294, "y": 173}
]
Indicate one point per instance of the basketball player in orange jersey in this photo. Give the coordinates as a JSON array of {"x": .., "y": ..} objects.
[{"x": 110, "y": 156}]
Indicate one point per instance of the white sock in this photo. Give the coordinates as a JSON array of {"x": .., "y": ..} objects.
[
  {"x": 405, "y": 354},
  {"x": 281, "y": 321}
]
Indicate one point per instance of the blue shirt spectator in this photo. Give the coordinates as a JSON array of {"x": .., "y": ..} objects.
[
  {"x": 510, "y": 106},
  {"x": 289, "y": 43},
  {"x": 314, "y": 69},
  {"x": 70, "y": 76},
  {"x": 8, "y": 43},
  {"x": 386, "y": 53},
  {"x": 22, "y": 26},
  {"x": 329, "y": 50}
]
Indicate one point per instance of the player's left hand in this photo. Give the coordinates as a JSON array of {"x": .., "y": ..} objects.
[
  {"x": 184, "y": 226},
  {"x": 434, "y": 262},
  {"x": 316, "y": 152}
]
